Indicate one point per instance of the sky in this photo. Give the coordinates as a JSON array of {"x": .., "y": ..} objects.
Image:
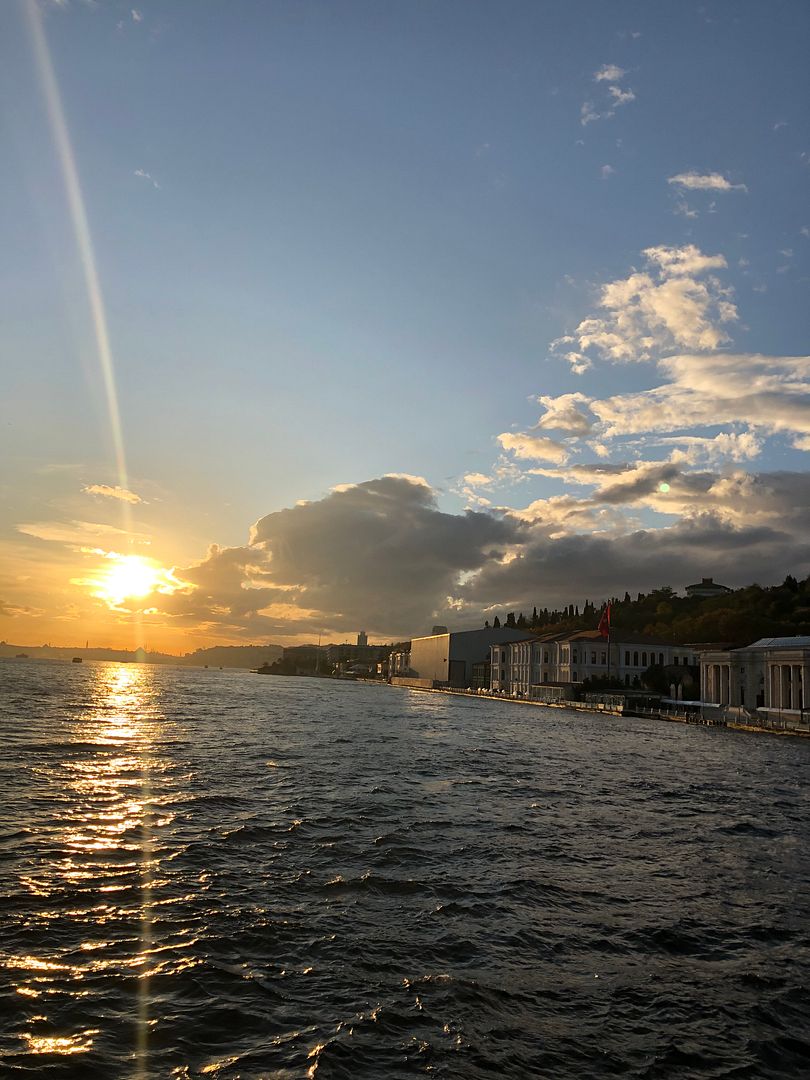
[{"x": 320, "y": 317}]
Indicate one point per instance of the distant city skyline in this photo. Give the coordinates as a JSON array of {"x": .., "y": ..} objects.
[{"x": 319, "y": 318}]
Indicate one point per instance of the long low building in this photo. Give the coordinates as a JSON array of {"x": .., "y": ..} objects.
[
  {"x": 524, "y": 667},
  {"x": 770, "y": 677}
]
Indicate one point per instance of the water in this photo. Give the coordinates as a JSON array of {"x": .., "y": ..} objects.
[{"x": 216, "y": 874}]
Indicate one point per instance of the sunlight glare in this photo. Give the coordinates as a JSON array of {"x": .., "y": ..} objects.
[{"x": 131, "y": 577}]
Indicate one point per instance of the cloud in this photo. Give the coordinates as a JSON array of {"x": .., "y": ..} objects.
[
  {"x": 770, "y": 394},
  {"x": 621, "y": 97},
  {"x": 147, "y": 176},
  {"x": 79, "y": 533},
  {"x": 136, "y": 15},
  {"x": 108, "y": 492},
  {"x": 609, "y": 73},
  {"x": 694, "y": 181},
  {"x": 558, "y": 570},
  {"x": 727, "y": 446},
  {"x": 567, "y": 412},
  {"x": 533, "y": 447},
  {"x": 607, "y": 171},
  {"x": 675, "y": 303},
  {"x": 587, "y": 113},
  {"x": 378, "y": 554}
]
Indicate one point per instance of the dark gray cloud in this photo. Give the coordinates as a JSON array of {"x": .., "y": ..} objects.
[
  {"x": 378, "y": 555},
  {"x": 381, "y": 556},
  {"x": 572, "y": 568}
]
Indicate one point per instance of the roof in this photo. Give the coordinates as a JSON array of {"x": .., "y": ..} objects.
[{"x": 781, "y": 643}]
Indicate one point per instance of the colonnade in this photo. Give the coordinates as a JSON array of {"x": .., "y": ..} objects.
[
  {"x": 787, "y": 683},
  {"x": 718, "y": 684}
]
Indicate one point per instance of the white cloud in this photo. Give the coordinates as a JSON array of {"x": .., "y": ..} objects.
[
  {"x": 109, "y": 492},
  {"x": 609, "y": 73},
  {"x": 694, "y": 181},
  {"x": 675, "y": 303},
  {"x": 771, "y": 394},
  {"x": 607, "y": 171},
  {"x": 533, "y": 447},
  {"x": 621, "y": 97},
  {"x": 136, "y": 15},
  {"x": 144, "y": 175},
  {"x": 567, "y": 412},
  {"x": 727, "y": 446},
  {"x": 587, "y": 113}
]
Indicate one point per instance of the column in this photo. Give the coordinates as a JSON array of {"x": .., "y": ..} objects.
[
  {"x": 795, "y": 686},
  {"x": 785, "y": 701}
]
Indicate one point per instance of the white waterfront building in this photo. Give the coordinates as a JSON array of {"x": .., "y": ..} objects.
[
  {"x": 770, "y": 677},
  {"x": 525, "y": 668}
]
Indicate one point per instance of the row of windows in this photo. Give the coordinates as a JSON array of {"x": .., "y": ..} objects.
[{"x": 643, "y": 659}]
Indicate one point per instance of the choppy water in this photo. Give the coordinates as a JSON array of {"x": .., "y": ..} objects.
[{"x": 208, "y": 873}]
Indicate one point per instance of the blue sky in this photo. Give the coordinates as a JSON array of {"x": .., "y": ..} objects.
[{"x": 337, "y": 242}]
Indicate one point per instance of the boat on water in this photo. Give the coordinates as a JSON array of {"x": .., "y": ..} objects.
[
  {"x": 21, "y": 656},
  {"x": 77, "y": 660}
]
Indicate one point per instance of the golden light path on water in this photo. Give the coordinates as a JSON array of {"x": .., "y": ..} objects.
[{"x": 101, "y": 853}]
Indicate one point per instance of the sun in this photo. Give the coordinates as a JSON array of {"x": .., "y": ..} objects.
[{"x": 129, "y": 577}]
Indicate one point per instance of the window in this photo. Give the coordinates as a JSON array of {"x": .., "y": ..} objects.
[
  {"x": 675, "y": 660},
  {"x": 574, "y": 677},
  {"x": 545, "y": 657},
  {"x": 643, "y": 659},
  {"x": 627, "y": 658},
  {"x": 604, "y": 658},
  {"x": 635, "y": 659},
  {"x": 574, "y": 658},
  {"x": 593, "y": 657},
  {"x": 661, "y": 659}
]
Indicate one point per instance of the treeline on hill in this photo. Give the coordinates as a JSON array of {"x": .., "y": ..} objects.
[{"x": 738, "y": 617}]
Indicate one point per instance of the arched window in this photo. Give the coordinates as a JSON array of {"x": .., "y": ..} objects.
[
  {"x": 661, "y": 659},
  {"x": 627, "y": 658},
  {"x": 635, "y": 659},
  {"x": 643, "y": 659}
]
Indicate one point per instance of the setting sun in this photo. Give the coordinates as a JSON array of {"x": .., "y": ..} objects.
[{"x": 131, "y": 577}]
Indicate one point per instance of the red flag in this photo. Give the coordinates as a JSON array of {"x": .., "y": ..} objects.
[{"x": 604, "y": 623}]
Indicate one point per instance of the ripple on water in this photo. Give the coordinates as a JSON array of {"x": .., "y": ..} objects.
[{"x": 210, "y": 874}]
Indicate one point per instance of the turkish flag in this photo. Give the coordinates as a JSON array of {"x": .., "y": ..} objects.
[{"x": 604, "y": 623}]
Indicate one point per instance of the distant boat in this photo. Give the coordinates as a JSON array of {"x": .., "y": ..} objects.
[
  {"x": 77, "y": 659},
  {"x": 22, "y": 656}
]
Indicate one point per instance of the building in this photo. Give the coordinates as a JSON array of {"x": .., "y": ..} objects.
[
  {"x": 448, "y": 659},
  {"x": 707, "y": 587},
  {"x": 770, "y": 678},
  {"x": 521, "y": 668}
]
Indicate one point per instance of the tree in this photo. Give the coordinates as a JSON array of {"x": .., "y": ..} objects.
[
  {"x": 510, "y": 620},
  {"x": 521, "y": 621},
  {"x": 496, "y": 623}
]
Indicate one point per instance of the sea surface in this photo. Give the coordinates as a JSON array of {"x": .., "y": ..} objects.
[{"x": 223, "y": 875}]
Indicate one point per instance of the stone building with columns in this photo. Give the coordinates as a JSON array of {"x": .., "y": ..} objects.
[{"x": 770, "y": 677}]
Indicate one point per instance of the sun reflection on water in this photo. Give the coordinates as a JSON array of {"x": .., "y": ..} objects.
[{"x": 98, "y": 863}]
